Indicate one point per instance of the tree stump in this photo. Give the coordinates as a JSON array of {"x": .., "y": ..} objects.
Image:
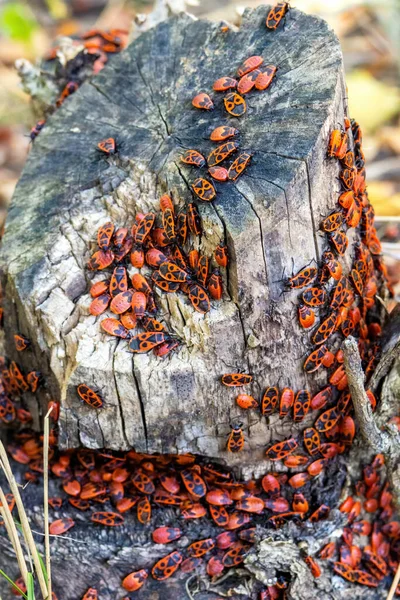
[{"x": 269, "y": 219}]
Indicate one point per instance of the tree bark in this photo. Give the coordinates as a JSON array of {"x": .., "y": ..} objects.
[
  {"x": 100, "y": 557},
  {"x": 269, "y": 218}
]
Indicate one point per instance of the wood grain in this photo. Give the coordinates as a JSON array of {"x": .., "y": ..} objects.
[{"x": 269, "y": 218}]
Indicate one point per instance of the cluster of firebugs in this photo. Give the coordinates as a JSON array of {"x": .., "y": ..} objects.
[
  {"x": 95, "y": 42},
  {"x": 198, "y": 489},
  {"x": 124, "y": 482},
  {"x": 159, "y": 248},
  {"x": 349, "y": 305},
  {"x": 252, "y": 74}
]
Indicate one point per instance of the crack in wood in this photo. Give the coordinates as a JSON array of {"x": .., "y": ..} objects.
[
  {"x": 314, "y": 225},
  {"x": 261, "y": 232},
  {"x": 121, "y": 411},
  {"x": 155, "y": 104},
  {"x": 98, "y": 89},
  {"x": 286, "y": 201},
  {"x": 141, "y": 402}
]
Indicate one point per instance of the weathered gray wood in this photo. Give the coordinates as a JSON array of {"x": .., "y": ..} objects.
[
  {"x": 269, "y": 217},
  {"x": 90, "y": 555}
]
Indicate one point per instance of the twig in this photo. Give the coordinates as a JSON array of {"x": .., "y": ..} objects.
[
  {"x": 46, "y": 499},
  {"x": 187, "y": 583},
  {"x": 24, "y": 519},
  {"x": 62, "y": 537},
  {"x": 13, "y": 535},
  {"x": 376, "y": 439},
  {"x": 394, "y": 585}
]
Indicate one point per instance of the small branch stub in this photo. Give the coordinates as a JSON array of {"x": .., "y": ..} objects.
[
  {"x": 375, "y": 439},
  {"x": 385, "y": 442},
  {"x": 390, "y": 350}
]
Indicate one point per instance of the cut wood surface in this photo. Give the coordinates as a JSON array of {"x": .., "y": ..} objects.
[{"x": 269, "y": 219}]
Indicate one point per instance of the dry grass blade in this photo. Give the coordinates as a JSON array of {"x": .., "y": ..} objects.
[
  {"x": 13, "y": 535},
  {"x": 24, "y": 519},
  {"x": 46, "y": 498},
  {"x": 13, "y": 585},
  {"x": 394, "y": 585}
]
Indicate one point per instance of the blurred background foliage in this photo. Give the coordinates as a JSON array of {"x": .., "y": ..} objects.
[{"x": 369, "y": 32}]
